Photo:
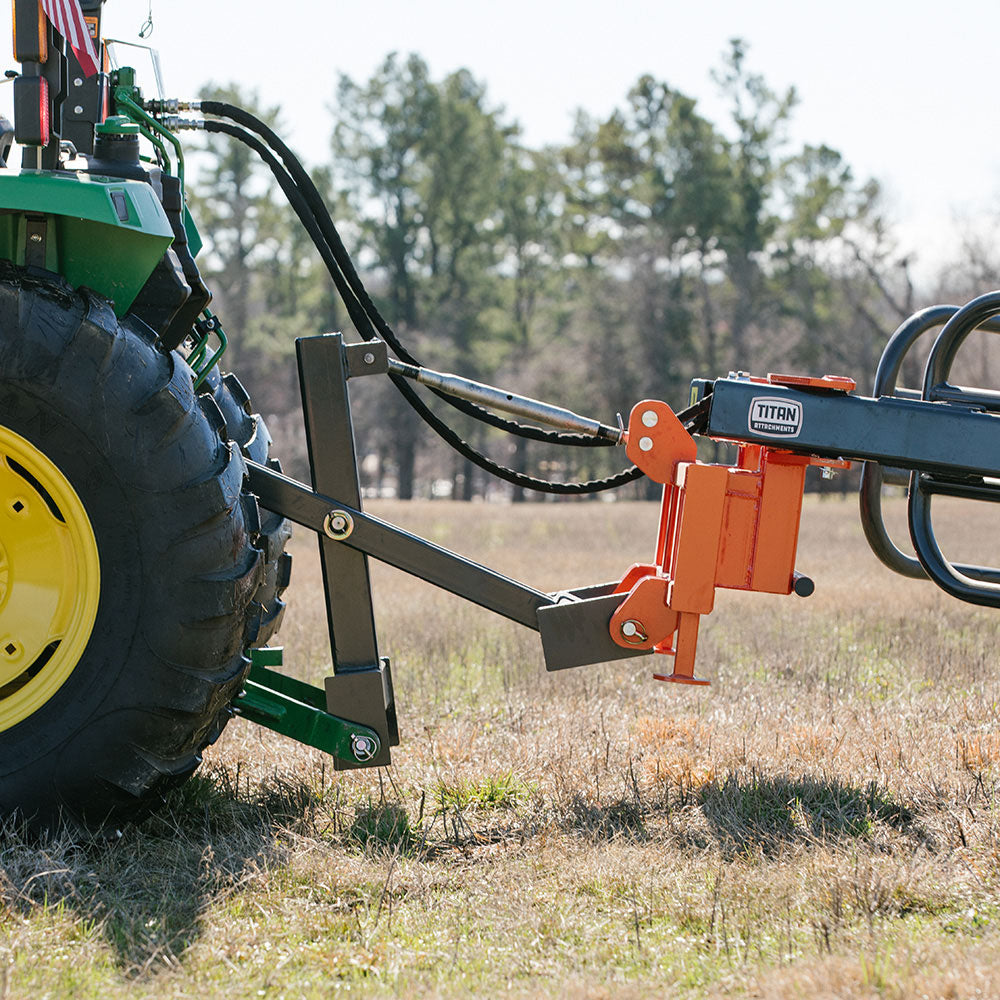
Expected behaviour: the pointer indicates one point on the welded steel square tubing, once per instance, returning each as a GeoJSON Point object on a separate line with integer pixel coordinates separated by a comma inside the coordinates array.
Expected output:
{"type": "Point", "coordinates": [946, 439]}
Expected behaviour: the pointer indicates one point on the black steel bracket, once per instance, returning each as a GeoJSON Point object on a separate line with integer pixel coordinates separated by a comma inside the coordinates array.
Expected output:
{"type": "Point", "coordinates": [573, 624]}
{"type": "Point", "coordinates": [361, 678]}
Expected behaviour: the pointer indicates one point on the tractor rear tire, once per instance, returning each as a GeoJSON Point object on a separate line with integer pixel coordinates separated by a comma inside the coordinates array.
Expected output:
{"type": "Point", "coordinates": [127, 534]}
{"type": "Point", "coordinates": [249, 433]}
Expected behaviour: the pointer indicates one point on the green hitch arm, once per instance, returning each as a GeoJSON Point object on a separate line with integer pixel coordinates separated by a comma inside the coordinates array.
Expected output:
{"type": "Point", "coordinates": [298, 710]}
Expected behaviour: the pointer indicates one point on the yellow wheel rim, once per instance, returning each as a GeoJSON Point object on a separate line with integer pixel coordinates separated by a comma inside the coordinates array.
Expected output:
{"type": "Point", "coordinates": [49, 579]}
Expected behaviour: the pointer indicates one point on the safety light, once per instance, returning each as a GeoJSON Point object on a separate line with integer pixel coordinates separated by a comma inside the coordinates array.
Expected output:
{"type": "Point", "coordinates": [31, 110]}
{"type": "Point", "coordinates": [31, 35]}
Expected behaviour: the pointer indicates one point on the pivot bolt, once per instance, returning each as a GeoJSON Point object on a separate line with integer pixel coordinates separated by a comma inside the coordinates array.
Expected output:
{"type": "Point", "coordinates": [338, 525]}
{"type": "Point", "coordinates": [363, 747]}
{"type": "Point", "coordinates": [650, 418]}
{"type": "Point", "coordinates": [633, 632]}
{"type": "Point", "coordinates": [369, 358]}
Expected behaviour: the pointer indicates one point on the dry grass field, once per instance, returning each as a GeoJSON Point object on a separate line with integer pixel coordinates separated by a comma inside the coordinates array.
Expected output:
{"type": "Point", "coordinates": [820, 822]}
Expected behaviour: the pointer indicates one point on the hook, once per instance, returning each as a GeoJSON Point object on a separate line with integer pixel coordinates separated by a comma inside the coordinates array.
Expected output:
{"type": "Point", "coordinates": [147, 26]}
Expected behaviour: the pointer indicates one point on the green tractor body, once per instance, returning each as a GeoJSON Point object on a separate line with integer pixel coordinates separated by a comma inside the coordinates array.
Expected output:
{"type": "Point", "coordinates": [137, 571]}
{"type": "Point", "coordinates": [102, 233]}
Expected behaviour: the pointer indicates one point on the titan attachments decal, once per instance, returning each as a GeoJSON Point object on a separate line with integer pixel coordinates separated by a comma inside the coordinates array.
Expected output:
{"type": "Point", "coordinates": [772, 416]}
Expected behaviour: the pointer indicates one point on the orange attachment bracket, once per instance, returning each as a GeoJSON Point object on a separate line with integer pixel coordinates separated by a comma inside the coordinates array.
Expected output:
{"type": "Point", "coordinates": [643, 620]}
{"type": "Point", "coordinates": [735, 527]}
{"type": "Point", "coordinates": [685, 645]}
{"type": "Point", "coordinates": [656, 440]}
{"type": "Point", "coordinates": [833, 383]}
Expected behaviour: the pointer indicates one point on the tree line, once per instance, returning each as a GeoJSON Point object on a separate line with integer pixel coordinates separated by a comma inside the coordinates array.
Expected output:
{"type": "Point", "coordinates": [653, 246]}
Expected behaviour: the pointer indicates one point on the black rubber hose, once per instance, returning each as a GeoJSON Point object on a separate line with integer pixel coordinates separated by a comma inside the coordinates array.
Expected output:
{"type": "Point", "coordinates": [299, 205]}
{"type": "Point", "coordinates": [362, 321]}
{"type": "Point", "coordinates": [628, 475]}
{"type": "Point", "coordinates": [694, 420]}
{"type": "Point", "coordinates": [314, 200]}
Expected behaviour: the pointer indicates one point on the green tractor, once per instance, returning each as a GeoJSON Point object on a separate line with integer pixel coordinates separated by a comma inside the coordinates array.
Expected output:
{"type": "Point", "coordinates": [143, 520]}
{"type": "Point", "coordinates": [136, 569]}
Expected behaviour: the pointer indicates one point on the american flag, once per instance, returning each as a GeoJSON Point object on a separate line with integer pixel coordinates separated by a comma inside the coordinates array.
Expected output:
{"type": "Point", "coordinates": [67, 18]}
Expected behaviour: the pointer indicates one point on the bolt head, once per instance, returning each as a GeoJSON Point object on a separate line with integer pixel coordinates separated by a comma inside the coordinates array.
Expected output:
{"type": "Point", "coordinates": [645, 444]}
{"type": "Point", "coordinates": [650, 418]}
{"type": "Point", "coordinates": [338, 525]}
{"type": "Point", "coordinates": [363, 748]}
{"type": "Point", "coordinates": [633, 631]}
{"type": "Point", "coordinates": [369, 358]}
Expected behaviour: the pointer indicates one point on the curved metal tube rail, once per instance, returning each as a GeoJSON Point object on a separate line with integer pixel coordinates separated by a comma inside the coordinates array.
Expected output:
{"type": "Point", "coordinates": [974, 584]}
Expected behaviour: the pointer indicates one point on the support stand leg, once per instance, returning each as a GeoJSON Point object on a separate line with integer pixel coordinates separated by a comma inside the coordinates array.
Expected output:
{"type": "Point", "coordinates": [361, 685]}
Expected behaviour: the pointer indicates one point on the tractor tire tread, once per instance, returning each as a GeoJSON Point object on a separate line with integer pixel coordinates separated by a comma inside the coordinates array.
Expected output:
{"type": "Point", "coordinates": [180, 567]}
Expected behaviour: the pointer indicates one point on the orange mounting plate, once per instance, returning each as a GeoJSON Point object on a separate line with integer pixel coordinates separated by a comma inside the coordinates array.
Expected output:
{"type": "Point", "coordinates": [833, 383]}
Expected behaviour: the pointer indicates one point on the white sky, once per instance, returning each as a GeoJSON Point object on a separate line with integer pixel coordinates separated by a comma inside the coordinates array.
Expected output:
{"type": "Point", "coordinates": [904, 89]}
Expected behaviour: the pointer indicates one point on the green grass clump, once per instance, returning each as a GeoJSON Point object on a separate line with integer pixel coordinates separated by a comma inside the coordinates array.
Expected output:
{"type": "Point", "coordinates": [499, 791]}
{"type": "Point", "coordinates": [385, 826]}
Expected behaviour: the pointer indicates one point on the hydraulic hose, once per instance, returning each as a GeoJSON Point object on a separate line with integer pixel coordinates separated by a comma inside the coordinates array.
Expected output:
{"type": "Point", "coordinates": [301, 208]}
{"type": "Point", "coordinates": [314, 200]}
{"type": "Point", "coordinates": [305, 200]}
